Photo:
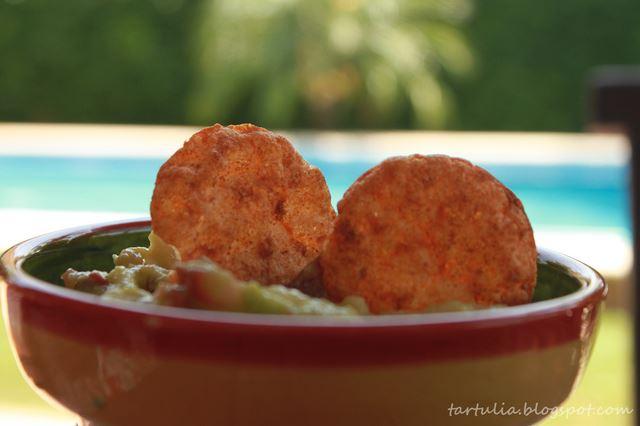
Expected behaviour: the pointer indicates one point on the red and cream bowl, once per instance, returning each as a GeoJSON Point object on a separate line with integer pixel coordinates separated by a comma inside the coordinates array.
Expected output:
{"type": "Point", "coordinates": [121, 363]}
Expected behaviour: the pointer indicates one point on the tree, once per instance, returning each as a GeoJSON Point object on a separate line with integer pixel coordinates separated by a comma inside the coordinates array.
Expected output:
{"type": "Point", "coordinates": [328, 63]}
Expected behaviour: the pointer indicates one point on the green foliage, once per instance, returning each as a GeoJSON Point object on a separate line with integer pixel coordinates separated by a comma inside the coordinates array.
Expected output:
{"type": "Point", "coordinates": [328, 63]}
{"type": "Point", "coordinates": [501, 65]}
{"type": "Point", "coordinates": [94, 60]}
{"type": "Point", "coordinates": [534, 58]}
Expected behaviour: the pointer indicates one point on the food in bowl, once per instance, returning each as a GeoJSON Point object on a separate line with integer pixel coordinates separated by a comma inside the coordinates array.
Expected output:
{"type": "Point", "coordinates": [241, 222]}
{"type": "Point", "coordinates": [120, 363]}
{"type": "Point", "coordinates": [157, 275]}
{"type": "Point", "coordinates": [420, 231]}
{"type": "Point", "coordinates": [245, 198]}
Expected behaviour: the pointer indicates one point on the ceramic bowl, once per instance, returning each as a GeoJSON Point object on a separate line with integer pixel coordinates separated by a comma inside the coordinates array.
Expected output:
{"type": "Point", "coordinates": [123, 363]}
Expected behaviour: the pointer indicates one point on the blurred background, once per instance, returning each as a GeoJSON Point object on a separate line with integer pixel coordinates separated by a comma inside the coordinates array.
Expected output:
{"type": "Point", "coordinates": [504, 81]}
{"type": "Point", "coordinates": [347, 64]}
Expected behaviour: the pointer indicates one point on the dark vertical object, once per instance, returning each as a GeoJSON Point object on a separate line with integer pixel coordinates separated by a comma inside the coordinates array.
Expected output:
{"type": "Point", "coordinates": [615, 101]}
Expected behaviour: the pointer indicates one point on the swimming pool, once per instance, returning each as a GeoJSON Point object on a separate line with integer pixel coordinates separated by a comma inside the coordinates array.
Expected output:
{"type": "Point", "coordinates": [565, 195]}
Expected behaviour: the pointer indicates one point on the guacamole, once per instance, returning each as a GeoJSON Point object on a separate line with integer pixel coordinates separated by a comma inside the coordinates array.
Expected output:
{"type": "Point", "coordinates": [157, 275]}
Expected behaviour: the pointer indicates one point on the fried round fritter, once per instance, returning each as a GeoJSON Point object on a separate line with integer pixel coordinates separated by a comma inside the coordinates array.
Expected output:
{"type": "Point", "coordinates": [243, 197]}
{"type": "Point", "coordinates": [420, 231]}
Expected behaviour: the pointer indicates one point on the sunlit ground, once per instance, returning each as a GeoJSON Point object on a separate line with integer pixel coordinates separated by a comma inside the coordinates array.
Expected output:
{"type": "Point", "coordinates": [607, 382]}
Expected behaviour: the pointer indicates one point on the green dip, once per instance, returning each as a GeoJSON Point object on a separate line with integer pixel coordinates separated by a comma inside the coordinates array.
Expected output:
{"type": "Point", "coordinates": [156, 275]}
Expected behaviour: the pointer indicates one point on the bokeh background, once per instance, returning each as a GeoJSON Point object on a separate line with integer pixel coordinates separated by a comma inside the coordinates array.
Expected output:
{"type": "Point", "coordinates": [454, 65]}
{"type": "Point", "coordinates": [397, 64]}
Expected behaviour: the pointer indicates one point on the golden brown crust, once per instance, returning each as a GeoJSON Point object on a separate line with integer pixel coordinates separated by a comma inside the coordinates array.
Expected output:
{"type": "Point", "coordinates": [243, 197]}
{"type": "Point", "coordinates": [418, 231]}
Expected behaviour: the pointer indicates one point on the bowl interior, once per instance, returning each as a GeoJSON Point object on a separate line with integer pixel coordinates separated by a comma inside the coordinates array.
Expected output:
{"type": "Point", "coordinates": [94, 250]}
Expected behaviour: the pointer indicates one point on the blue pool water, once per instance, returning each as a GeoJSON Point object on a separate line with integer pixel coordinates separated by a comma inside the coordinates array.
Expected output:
{"type": "Point", "coordinates": [553, 195]}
